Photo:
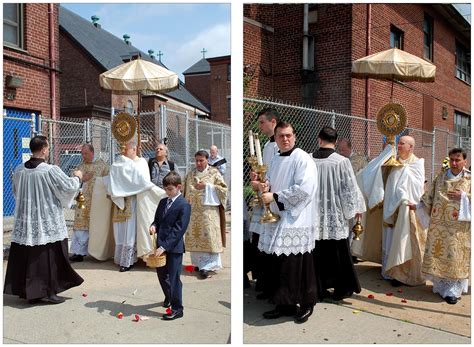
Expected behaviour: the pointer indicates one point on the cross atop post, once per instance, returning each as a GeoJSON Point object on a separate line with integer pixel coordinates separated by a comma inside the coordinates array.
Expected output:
{"type": "Point", "coordinates": [159, 56]}
{"type": "Point", "coordinates": [203, 53]}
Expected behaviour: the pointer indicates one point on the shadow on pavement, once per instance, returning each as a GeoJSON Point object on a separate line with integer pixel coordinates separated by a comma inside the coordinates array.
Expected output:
{"type": "Point", "coordinates": [103, 306]}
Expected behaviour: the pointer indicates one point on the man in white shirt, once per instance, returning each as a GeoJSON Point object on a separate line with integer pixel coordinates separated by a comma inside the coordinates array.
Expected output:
{"type": "Point", "coordinates": [289, 190]}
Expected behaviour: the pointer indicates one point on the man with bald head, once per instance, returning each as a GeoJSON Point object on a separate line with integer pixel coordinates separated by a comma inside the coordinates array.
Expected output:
{"type": "Point", "coordinates": [216, 160]}
{"type": "Point", "coordinates": [390, 191]}
{"type": "Point", "coordinates": [358, 161]}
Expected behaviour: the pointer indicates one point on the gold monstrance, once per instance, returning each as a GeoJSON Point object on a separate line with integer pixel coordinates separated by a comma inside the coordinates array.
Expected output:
{"type": "Point", "coordinates": [124, 128]}
{"type": "Point", "coordinates": [391, 120]}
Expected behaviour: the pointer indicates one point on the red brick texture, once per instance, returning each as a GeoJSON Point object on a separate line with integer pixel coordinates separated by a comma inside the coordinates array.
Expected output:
{"type": "Point", "coordinates": [34, 94]}
{"type": "Point", "coordinates": [273, 60]}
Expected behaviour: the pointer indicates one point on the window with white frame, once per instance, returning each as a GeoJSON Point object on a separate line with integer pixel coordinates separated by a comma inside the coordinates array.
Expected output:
{"type": "Point", "coordinates": [13, 25]}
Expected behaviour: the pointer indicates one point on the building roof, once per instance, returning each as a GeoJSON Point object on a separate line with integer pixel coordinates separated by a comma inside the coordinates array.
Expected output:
{"type": "Point", "coordinates": [107, 50]}
{"type": "Point", "coordinates": [202, 66]}
{"type": "Point", "coordinates": [455, 19]}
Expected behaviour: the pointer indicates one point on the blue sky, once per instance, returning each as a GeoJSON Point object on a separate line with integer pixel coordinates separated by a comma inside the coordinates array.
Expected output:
{"type": "Point", "coordinates": [179, 31]}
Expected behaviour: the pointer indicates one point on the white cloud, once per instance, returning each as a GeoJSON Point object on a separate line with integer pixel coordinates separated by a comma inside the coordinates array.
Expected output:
{"type": "Point", "coordinates": [216, 40]}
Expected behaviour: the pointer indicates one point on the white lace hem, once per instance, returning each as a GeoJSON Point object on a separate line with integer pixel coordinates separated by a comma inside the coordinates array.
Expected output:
{"type": "Point", "coordinates": [447, 287]}
{"type": "Point", "coordinates": [287, 240]}
{"type": "Point", "coordinates": [80, 242]}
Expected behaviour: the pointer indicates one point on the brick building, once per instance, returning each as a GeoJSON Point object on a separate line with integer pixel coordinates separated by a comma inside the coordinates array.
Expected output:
{"type": "Point", "coordinates": [209, 80]}
{"type": "Point", "coordinates": [86, 51]}
{"type": "Point", "coordinates": [30, 56]}
{"type": "Point", "coordinates": [30, 81]}
{"type": "Point", "coordinates": [336, 35]}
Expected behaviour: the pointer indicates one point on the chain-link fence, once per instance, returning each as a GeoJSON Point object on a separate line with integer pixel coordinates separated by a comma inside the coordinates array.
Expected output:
{"type": "Point", "coordinates": [363, 134]}
{"type": "Point", "coordinates": [184, 136]}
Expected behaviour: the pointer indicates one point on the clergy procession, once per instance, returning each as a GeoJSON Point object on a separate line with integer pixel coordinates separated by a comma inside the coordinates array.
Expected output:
{"type": "Point", "coordinates": [134, 209]}
{"type": "Point", "coordinates": [315, 216]}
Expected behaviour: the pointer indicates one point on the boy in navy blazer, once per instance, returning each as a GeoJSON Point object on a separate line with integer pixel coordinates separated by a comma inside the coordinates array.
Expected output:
{"type": "Point", "coordinates": [170, 223]}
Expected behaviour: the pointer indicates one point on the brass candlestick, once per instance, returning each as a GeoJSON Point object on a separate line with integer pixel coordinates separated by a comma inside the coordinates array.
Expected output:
{"type": "Point", "coordinates": [252, 160]}
{"type": "Point", "coordinates": [268, 216]}
{"type": "Point", "coordinates": [357, 229]}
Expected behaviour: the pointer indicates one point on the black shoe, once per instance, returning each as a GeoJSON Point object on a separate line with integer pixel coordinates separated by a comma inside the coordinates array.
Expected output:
{"type": "Point", "coordinates": [451, 300]}
{"type": "Point", "coordinates": [53, 299]}
{"type": "Point", "coordinates": [263, 296]}
{"type": "Point", "coordinates": [273, 314]}
{"type": "Point", "coordinates": [259, 286]}
{"type": "Point", "coordinates": [339, 297]}
{"type": "Point", "coordinates": [205, 274]}
{"type": "Point", "coordinates": [76, 258]}
{"type": "Point", "coordinates": [396, 283]}
{"type": "Point", "coordinates": [173, 315]}
{"type": "Point", "coordinates": [124, 268]}
{"type": "Point", "coordinates": [326, 294]}
{"type": "Point", "coordinates": [34, 301]}
{"type": "Point", "coordinates": [303, 314]}
{"type": "Point", "coordinates": [166, 303]}
{"type": "Point", "coordinates": [246, 282]}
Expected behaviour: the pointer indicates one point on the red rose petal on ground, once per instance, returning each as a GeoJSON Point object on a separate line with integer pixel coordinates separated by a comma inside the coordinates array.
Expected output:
{"type": "Point", "coordinates": [137, 317]}
{"type": "Point", "coordinates": [370, 296]}
{"type": "Point", "coordinates": [84, 294]}
{"type": "Point", "coordinates": [389, 294]}
{"type": "Point", "coordinates": [120, 315]}
{"type": "Point", "coordinates": [189, 268]}
{"type": "Point", "coordinates": [168, 310]}
{"type": "Point", "coordinates": [404, 301]}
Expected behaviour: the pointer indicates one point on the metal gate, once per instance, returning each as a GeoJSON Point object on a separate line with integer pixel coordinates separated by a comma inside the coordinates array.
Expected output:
{"type": "Point", "coordinates": [18, 126]}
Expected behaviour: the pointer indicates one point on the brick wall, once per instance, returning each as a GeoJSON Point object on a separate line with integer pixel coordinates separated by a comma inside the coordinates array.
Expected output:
{"type": "Point", "coordinates": [198, 85]}
{"type": "Point", "coordinates": [220, 90]}
{"type": "Point", "coordinates": [34, 94]}
{"type": "Point", "coordinates": [446, 90]}
{"type": "Point", "coordinates": [80, 77]}
{"type": "Point", "coordinates": [340, 38]}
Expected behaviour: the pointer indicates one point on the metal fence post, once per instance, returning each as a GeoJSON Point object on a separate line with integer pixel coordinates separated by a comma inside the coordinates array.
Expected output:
{"type": "Point", "coordinates": [51, 142]}
{"type": "Point", "coordinates": [40, 124]}
{"type": "Point", "coordinates": [33, 125]}
{"type": "Point", "coordinates": [112, 147]}
{"type": "Point", "coordinates": [84, 132]}
{"type": "Point", "coordinates": [186, 142]}
{"type": "Point", "coordinates": [88, 131]}
{"type": "Point", "coordinates": [333, 119]}
{"type": "Point", "coordinates": [433, 155]}
{"type": "Point", "coordinates": [164, 122]}
{"type": "Point", "coordinates": [197, 135]}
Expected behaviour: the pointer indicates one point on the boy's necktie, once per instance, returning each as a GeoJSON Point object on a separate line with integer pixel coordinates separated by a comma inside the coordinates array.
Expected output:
{"type": "Point", "coordinates": [168, 204]}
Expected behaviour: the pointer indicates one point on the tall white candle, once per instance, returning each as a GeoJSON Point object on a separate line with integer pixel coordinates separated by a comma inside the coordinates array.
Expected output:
{"type": "Point", "coordinates": [259, 151]}
{"type": "Point", "coordinates": [252, 148]}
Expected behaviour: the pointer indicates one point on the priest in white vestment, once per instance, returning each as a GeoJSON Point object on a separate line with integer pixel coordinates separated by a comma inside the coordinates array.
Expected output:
{"type": "Point", "coordinates": [395, 188]}
{"type": "Point", "coordinates": [337, 201]}
{"type": "Point", "coordinates": [135, 200]}
{"type": "Point", "coordinates": [38, 266]}
{"type": "Point", "coordinates": [205, 238]}
{"type": "Point", "coordinates": [267, 120]}
{"type": "Point", "coordinates": [289, 190]}
{"type": "Point", "coordinates": [447, 258]}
